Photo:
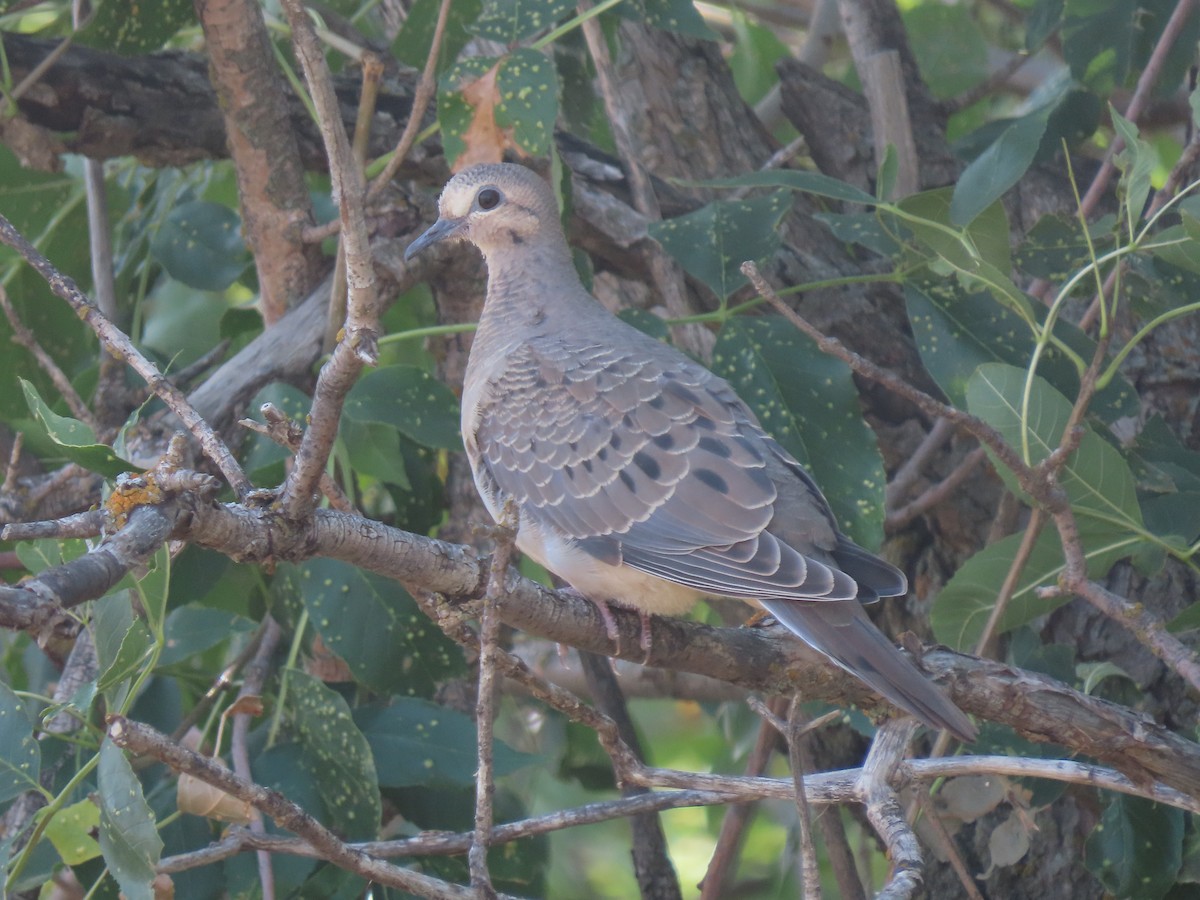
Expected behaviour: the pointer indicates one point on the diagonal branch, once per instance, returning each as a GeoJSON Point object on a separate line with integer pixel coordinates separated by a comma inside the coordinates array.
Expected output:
{"type": "Point", "coordinates": [119, 344]}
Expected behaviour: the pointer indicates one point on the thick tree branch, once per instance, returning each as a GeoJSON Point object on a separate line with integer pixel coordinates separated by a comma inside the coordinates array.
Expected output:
{"type": "Point", "coordinates": [1037, 707]}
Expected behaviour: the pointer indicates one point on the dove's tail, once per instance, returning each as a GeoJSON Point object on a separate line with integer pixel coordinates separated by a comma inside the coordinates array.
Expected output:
{"type": "Point", "coordinates": [842, 631]}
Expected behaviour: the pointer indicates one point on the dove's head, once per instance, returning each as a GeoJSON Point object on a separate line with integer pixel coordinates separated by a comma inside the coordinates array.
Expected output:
{"type": "Point", "coordinates": [497, 207]}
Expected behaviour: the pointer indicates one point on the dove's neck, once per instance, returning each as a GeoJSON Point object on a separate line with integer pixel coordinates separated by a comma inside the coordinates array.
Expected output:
{"type": "Point", "coordinates": [531, 290]}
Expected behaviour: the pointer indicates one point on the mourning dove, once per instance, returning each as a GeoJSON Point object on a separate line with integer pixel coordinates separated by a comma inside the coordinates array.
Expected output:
{"type": "Point", "coordinates": [640, 477]}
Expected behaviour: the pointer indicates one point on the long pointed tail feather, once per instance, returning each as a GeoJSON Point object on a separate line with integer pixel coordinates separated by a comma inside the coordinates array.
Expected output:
{"type": "Point", "coordinates": [843, 632]}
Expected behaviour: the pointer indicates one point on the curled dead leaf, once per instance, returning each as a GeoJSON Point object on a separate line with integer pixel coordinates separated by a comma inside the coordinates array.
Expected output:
{"type": "Point", "coordinates": [201, 799]}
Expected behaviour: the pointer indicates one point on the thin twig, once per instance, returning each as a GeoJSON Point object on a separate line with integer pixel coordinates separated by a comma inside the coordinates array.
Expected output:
{"type": "Point", "coordinates": [883, 808]}
{"type": "Point", "coordinates": [985, 433]}
{"type": "Point", "coordinates": [119, 344]}
{"type": "Point", "coordinates": [286, 433]}
{"type": "Point", "coordinates": [1147, 80]}
{"type": "Point", "coordinates": [112, 374]}
{"type": "Point", "coordinates": [949, 848]}
{"type": "Point", "coordinates": [733, 826]}
{"type": "Point", "coordinates": [426, 86]}
{"type": "Point", "coordinates": [14, 461]}
{"type": "Point", "coordinates": [441, 843]}
{"type": "Point", "coordinates": [666, 275]}
{"type": "Point", "coordinates": [252, 685]}
{"type": "Point", "coordinates": [810, 871]}
{"type": "Point", "coordinates": [358, 346]}
{"type": "Point", "coordinates": [908, 473]}
{"type": "Point", "coordinates": [485, 701]}
{"type": "Point", "coordinates": [1032, 530]}
{"type": "Point", "coordinates": [372, 75]}
{"type": "Point", "coordinates": [926, 501]}
{"type": "Point", "coordinates": [145, 741]}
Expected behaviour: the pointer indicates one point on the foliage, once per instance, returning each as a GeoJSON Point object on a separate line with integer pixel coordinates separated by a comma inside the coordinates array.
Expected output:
{"type": "Point", "coordinates": [365, 743]}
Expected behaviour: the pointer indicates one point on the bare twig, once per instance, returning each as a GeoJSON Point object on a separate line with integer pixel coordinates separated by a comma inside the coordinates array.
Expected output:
{"type": "Point", "coordinates": [441, 843]}
{"type": "Point", "coordinates": [667, 276]}
{"type": "Point", "coordinates": [485, 701]}
{"type": "Point", "coordinates": [1032, 530]}
{"type": "Point", "coordinates": [14, 462]}
{"type": "Point", "coordinates": [358, 346]}
{"type": "Point", "coordinates": [1147, 80]}
{"type": "Point", "coordinates": [946, 841]}
{"type": "Point", "coordinates": [936, 494]}
{"type": "Point", "coordinates": [995, 442]}
{"type": "Point", "coordinates": [222, 682]}
{"type": "Point", "coordinates": [810, 870]}
{"type": "Point", "coordinates": [426, 87]}
{"type": "Point", "coordinates": [81, 525]}
{"type": "Point", "coordinates": [372, 74]}
{"type": "Point", "coordinates": [119, 344]}
{"type": "Point", "coordinates": [883, 808]}
{"type": "Point", "coordinates": [252, 685]}
{"type": "Point", "coordinates": [144, 740]}
{"type": "Point", "coordinates": [286, 433]}
{"type": "Point", "coordinates": [733, 825]}
{"type": "Point", "coordinates": [908, 473]}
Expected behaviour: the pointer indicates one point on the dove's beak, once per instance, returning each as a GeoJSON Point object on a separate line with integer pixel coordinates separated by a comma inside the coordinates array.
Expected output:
{"type": "Point", "coordinates": [439, 231]}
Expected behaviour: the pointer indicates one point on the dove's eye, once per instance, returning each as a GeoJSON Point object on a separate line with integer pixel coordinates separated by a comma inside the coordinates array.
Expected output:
{"type": "Point", "coordinates": [488, 198]}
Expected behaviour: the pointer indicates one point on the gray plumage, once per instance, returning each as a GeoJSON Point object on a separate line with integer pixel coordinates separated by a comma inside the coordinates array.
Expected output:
{"type": "Point", "coordinates": [640, 477]}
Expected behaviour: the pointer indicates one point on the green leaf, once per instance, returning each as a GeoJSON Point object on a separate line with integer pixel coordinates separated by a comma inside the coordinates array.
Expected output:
{"type": "Point", "coordinates": [961, 608]}
{"type": "Point", "coordinates": [957, 330]}
{"type": "Point", "coordinates": [979, 252]}
{"type": "Point", "coordinates": [132, 28]}
{"type": "Point", "coordinates": [805, 398]}
{"type": "Point", "coordinates": [680, 16]}
{"type": "Point", "coordinates": [200, 243]}
{"type": "Point", "coordinates": [1096, 478]}
{"type": "Point", "coordinates": [411, 401]}
{"type": "Point", "coordinates": [121, 644]}
{"type": "Point", "coordinates": [193, 629]}
{"type": "Point", "coordinates": [713, 242]}
{"type": "Point", "coordinates": [949, 47]}
{"type": "Point", "coordinates": [20, 755]}
{"type": "Point", "coordinates": [376, 627]}
{"type": "Point", "coordinates": [999, 167]}
{"type": "Point", "coordinates": [1137, 848]}
{"type": "Point", "coordinates": [421, 743]}
{"type": "Point", "coordinates": [805, 182]}
{"type": "Point", "coordinates": [38, 556]}
{"type": "Point", "coordinates": [128, 837]}
{"type": "Point", "coordinates": [339, 757]}
{"type": "Point", "coordinates": [861, 228]}
{"type": "Point", "coordinates": [70, 831]}
{"type": "Point", "coordinates": [1136, 162]}
{"type": "Point", "coordinates": [509, 22]}
{"type": "Point", "coordinates": [75, 438]}
{"type": "Point", "coordinates": [528, 87]}
{"type": "Point", "coordinates": [1056, 247]}
{"type": "Point", "coordinates": [374, 451]}
{"type": "Point", "coordinates": [154, 587]}
{"type": "Point", "coordinates": [645, 322]}
{"type": "Point", "coordinates": [756, 50]}
{"type": "Point", "coordinates": [1044, 20]}
{"type": "Point", "coordinates": [412, 44]}
{"type": "Point", "coordinates": [50, 209]}
{"type": "Point", "coordinates": [454, 112]}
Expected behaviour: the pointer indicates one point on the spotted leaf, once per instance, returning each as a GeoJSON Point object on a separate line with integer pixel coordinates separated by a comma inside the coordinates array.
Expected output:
{"type": "Point", "coordinates": [807, 401]}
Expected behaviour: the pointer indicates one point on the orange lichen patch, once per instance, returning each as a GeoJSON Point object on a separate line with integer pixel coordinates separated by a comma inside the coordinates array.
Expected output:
{"type": "Point", "coordinates": [130, 493]}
